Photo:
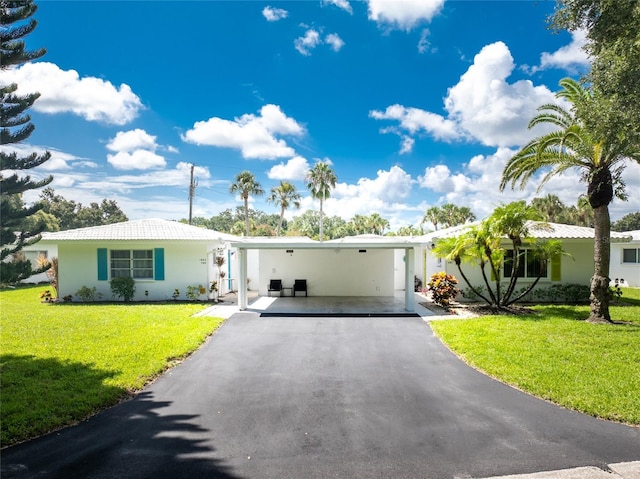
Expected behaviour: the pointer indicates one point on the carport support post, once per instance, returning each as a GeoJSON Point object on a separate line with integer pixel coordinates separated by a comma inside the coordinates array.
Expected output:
{"type": "Point", "coordinates": [409, 273]}
{"type": "Point", "coordinates": [242, 286]}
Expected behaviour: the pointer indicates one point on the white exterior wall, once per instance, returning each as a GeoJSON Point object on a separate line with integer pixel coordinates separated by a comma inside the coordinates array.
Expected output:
{"type": "Point", "coordinates": [185, 264]}
{"type": "Point", "coordinates": [333, 272]}
{"type": "Point", "coordinates": [629, 272]}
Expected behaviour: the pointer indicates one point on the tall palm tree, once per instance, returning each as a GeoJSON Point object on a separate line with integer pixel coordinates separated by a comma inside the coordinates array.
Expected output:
{"type": "Point", "coordinates": [599, 160]}
{"type": "Point", "coordinates": [284, 195]}
{"type": "Point", "coordinates": [320, 180]}
{"type": "Point", "coordinates": [246, 184]}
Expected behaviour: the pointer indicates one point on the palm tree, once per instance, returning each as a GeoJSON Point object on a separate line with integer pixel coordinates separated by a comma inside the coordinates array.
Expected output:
{"type": "Point", "coordinates": [377, 224]}
{"type": "Point", "coordinates": [550, 207]}
{"type": "Point", "coordinates": [246, 185]}
{"type": "Point", "coordinates": [599, 160]}
{"type": "Point", "coordinates": [434, 215]}
{"type": "Point", "coordinates": [284, 195]}
{"type": "Point", "coordinates": [453, 215]}
{"type": "Point", "coordinates": [320, 179]}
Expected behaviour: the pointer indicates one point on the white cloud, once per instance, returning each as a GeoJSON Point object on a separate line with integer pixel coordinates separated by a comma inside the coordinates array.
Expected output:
{"type": "Point", "coordinates": [135, 150]}
{"type": "Point", "coordinates": [308, 42]}
{"type": "Point", "coordinates": [406, 145]}
{"type": "Point", "coordinates": [274, 14]}
{"type": "Point", "coordinates": [136, 160]}
{"type": "Point", "coordinates": [334, 41]}
{"type": "Point", "coordinates": [490, 109]}
{"type": "Point", "coordinates": [482, 106]}
{"type": "Point", "coordinates": [62, 91]}
{"type": "Point", "coordinates": [423, 43]}
{"type": "Point", "coordinates": [254, 136]}
{"type": "Point", "coordinates": [294, 169]}
{"type": "Point", "coordinates": [415, 120]}
{"type": "Point", "coordinates": [343, 4]}
{"type": "Point", "coordinates": [132, 140]}
{"type": "Point", "coordinates": [567, 57]}
{"type": "Point", "coordinates": [403, 14]}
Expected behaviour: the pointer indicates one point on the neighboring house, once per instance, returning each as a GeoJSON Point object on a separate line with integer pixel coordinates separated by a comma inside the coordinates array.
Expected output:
{"type": "Point", "coordinates": [576, 267]}
{"type": "Point", "coordinates": [625, 261]}
{"type": "Point", "coordinates": [33, 253]}
{"type": "Point", "coordinates": [160, 255]}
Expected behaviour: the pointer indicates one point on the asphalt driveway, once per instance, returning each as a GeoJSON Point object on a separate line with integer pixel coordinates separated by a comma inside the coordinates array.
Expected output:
{"type": "Point", "coordinates": [322, 397]}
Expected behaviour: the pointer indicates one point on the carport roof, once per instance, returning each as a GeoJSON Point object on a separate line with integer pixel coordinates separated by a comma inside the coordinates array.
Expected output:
{"type": "Point", "coordinates": [349, 242]}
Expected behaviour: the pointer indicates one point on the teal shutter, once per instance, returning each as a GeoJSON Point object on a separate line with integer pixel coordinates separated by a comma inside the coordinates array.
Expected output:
{"type": "Point", "coordinates": [103, 264]}
{"type": "Point", "coordinates": [158, 264]}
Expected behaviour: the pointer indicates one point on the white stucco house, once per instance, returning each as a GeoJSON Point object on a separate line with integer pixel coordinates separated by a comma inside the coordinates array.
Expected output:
{"type": "Point", "coordinates": [160, 255]}
{"type": "Point", "coordinates": [163, 256]}
{"type": "Point", "coordinates": [625, 261]}
{"type": "Point", "coordinates": [576, 267]}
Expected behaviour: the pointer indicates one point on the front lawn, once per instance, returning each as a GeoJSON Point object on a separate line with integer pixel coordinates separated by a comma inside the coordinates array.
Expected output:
{"type": "Point", "coordinates": [591, 368]}
{"type": "Point", "coordinates": [60, 363]}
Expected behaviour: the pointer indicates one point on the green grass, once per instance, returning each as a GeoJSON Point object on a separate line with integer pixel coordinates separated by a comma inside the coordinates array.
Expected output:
{"type": "Point", "coordinates": [592, 368]}
{"type": "Point", "coordinates": [60, 363]}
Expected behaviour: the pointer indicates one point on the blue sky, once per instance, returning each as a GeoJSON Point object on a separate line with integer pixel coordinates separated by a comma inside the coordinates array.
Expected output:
{"type": "Point", "coordinates": [416, 103]}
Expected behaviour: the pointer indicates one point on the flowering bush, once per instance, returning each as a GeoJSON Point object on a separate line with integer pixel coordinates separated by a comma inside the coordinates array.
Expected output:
{"type": "Point", "coordinates": [442, 288]}
{"type": "Point", "coordinates": [46, 296]}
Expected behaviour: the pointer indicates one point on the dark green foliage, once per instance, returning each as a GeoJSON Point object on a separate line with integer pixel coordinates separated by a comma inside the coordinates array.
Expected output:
{"type": "Point", "coordinates": [124, 288]}
{"type": "Point", "coordinates": [71, 215]}
{"type": "Point", "coordinates": [88, 295]}
{"type": "Point", "coordinates": [613, 43]}
{"type": "Point", "coordinates": [630, 222]}
{"type": "Point", "coordinates": [15, 127]}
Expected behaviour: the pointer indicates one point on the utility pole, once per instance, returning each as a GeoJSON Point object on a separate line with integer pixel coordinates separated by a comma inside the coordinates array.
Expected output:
{"type": "Point", "coordinates": [192, 192]}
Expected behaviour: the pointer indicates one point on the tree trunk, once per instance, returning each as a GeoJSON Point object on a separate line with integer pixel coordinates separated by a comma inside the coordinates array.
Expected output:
{"type": "Point", "coordinates": [600, 293]}
{"type": "Point", "coordinates": [320, 219]}
{"type": "Point", "coordinates": [246, 215]}
{"type": "Point", "coordinates": [280, 222]}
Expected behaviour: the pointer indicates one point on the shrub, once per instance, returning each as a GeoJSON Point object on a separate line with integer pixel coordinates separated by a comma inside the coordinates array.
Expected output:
{"type": "Point", "coordinates": [194, 292]}
{"type": "Point", "coordinates": [88, 295]}
{"type": "Point", "coordinates": [123, 288]}
{"type": "Point", "coordinates": [442, 288]}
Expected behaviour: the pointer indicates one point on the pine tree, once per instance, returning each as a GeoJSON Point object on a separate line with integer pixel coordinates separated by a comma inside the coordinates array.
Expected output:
{"type": "Point", "coordinates": [15, 127]}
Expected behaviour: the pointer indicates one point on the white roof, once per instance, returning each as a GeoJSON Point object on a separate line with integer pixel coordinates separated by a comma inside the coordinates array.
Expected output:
{"type": "Point", "coordinates": [148, 229]}
{"type": "Point", "coordinates": [635, 235]}
{"type": "Point", "coordinates": [537, 229]}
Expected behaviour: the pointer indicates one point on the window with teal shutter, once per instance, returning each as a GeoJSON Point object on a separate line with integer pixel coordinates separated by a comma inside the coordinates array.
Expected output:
{"type": "Point", "coordinates": [103, 264]}
{"type": "Point", "coordinates": [158, 264]}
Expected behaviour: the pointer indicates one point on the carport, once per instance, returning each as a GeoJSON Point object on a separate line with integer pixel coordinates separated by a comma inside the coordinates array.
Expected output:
{"type": "Point", "coordinates": [358, 266]}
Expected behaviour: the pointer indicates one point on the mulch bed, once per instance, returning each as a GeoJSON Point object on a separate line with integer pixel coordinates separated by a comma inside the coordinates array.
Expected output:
{"type": "Point", "coordinates": [475, 310]}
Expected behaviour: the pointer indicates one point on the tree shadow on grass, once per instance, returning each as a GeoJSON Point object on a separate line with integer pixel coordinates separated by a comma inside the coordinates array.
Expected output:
{"type": "Point", "coordinates": [44, 394]}
{"type": "Point", "coordinates": [134, 439]}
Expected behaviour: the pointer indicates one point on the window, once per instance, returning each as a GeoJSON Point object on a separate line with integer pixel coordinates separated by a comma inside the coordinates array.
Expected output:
{"type": "Point", "coordinates": [631, 255]}
{"type": "Point", "coordinates": [528, 267]}
{"type": "Point", "coordinates": [136, 264]}
{"type": "Point", "coordinates": [33, 256]}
